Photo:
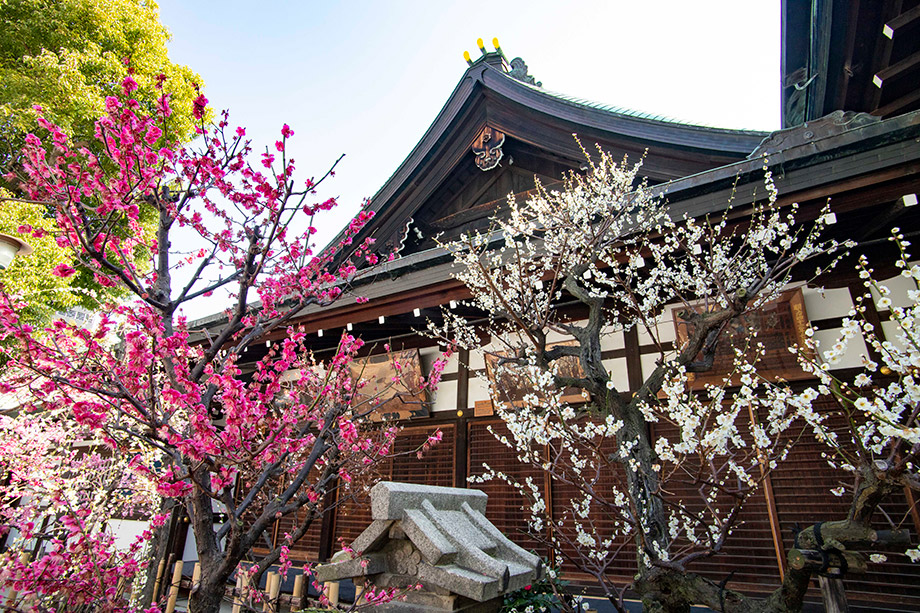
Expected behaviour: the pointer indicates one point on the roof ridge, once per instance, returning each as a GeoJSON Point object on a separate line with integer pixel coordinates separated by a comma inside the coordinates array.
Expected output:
{"type": "Point", "coordinates": [627, 111]}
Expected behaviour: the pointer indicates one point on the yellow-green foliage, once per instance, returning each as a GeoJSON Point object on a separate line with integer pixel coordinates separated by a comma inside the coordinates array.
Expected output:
{"type": "Point", "coordinates": [67, 56]}
{"type": "Point", "coordinates": [30, 276]}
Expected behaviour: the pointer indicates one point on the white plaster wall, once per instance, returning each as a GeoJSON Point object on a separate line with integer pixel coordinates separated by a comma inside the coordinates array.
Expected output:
{"type": "Point", "coordinates": [663, 330]}
{"type": "Point", "coordinates": [190, 551]}
{"type": "Point", "coordinates": [649, 364]}
{"type": "Point", "coordinates": [428, 355]}
{"type": "Point", "coordinates": [892, 332]}
{"type": "Point", "coordinates": [479, 390]}
{"type": "Point", "coordinates": [612, 340]}
{"type": "Point", "coordinates": [557, 337]}
{"type": "Point", "coordinates": [617, 369]}
{"type": "Point", "coordinates": [899, 287]}
{"type": "Point", "coordinates": [477, 362]}
{"type": "Point", "coordinates": [445, 397]}
{"type": "Point", "coordinates": [833, 303]}
{"type": "Point", "coordinates": [855, 350]}
{"type": "Point", "coordinates": [126, 531]}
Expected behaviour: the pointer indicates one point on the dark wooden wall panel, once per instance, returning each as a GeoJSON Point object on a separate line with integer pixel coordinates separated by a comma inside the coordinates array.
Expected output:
{"type": "Point", "coordinates": [802, 485]}
{"type": "Point", "coordinates": [505, 503]}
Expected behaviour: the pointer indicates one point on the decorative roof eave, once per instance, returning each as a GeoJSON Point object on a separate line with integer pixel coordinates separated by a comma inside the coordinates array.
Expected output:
{"type": "Point", "coordinates": [448, 138]}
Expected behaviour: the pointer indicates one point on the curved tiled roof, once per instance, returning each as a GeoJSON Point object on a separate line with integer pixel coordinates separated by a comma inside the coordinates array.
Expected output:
{"type": "Point", "coordinates": [488, 94]}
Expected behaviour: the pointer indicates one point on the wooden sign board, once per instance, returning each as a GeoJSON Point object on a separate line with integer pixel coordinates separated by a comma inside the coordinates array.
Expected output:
{"type": "Point", "coordinates": [779, 324]}
{"type": "Point", "coordinates": [512, 387]}
{"type": "Point", "coordinates": [393, 392]}
{"type": "Point", "coordinates": [483, 408]}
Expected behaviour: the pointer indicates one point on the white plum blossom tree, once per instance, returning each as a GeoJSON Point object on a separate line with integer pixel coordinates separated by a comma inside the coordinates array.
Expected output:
{"type": "Point", "coordinates": [603, 256]}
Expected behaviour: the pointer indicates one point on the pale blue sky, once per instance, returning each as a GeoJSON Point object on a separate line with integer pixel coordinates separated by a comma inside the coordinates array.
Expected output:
{"type": "Point", "coordinates": [368, 78]}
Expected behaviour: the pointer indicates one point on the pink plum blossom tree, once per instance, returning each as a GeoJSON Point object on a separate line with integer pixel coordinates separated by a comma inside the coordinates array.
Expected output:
{"type": "Point", "coordinates": [144, 408]}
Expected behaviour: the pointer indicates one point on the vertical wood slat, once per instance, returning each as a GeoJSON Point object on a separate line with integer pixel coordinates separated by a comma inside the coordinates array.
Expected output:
{"type": "Point", "coordinates": [327, 530]}
{"type": "Point", "coordinates": [505, 508]}
{"type": "Point", "coordinates": [767, 486]}
{"type": "Point", "coordinates": [548, 495]}
{"type": "Point", "coordinates": [892, 585]}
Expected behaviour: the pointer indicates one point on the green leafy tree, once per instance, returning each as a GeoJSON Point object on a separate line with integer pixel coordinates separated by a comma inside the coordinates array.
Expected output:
{"type": "Point", "coordinates": [67, 56]}
{"type": "Point", "coordinates": [45, 293]}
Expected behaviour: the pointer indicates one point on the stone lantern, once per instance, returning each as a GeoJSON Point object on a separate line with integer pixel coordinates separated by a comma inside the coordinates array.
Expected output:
{"type": "Point", "coordinates": [438, 537]}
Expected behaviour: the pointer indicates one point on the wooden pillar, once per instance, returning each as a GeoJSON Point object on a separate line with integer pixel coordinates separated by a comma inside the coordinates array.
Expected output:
{"type": "Point", "coordinates": [461, 429]}
{"type": "Point", "coordinates": [633, 359]}
{"type": "Point", "coordinates": [327, 525]}
{"type": "Point", "coordinates": [833, 595]}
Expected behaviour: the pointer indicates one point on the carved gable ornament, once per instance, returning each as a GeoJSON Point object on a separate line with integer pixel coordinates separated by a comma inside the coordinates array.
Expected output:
{"type": "Point", "coordinates": [488, 148]}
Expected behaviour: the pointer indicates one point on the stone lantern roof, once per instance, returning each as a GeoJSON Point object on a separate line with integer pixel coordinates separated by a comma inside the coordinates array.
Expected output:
{"type": "Point", "coordinates": [439, 537]}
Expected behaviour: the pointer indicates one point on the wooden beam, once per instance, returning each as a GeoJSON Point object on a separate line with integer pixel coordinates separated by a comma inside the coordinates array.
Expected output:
{"type": "Point", "coordinates": [327, 527]}
{"type": "Point", "coordinates": [896, 105]}
{"type": "Point", "coordinates": [890, 29]}
{"type": "Point", "coordinates": [633, 359]}
{"type": "Point", "coordinates": [882, 56]}
{"type": "Point", "coordinates": [896, 69]}
{"type": "Point", "coordinates": [822, 16]}
{"type": "Point", "coordinates": [840, 101]}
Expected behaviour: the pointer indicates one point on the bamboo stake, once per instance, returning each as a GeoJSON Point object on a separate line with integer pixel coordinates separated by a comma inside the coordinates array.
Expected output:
{"type": "Point", "coordinates": [24, 558]}
{"type": "Point", "coordinates": [332, 592]}
{"type": "Point", "coordinates": [273, 590]}
{"type": "Point", "coordinates": [174, 587]}
{"type": "Point", "coordinates": [156, 586]}
{"type": "Point", "coordinates": [196, 573]}
{"type": "Point", "coordinates": [298, 591]}
{"type": "Point", "coordinates": [276, 593]}
{"type": "Point", "coordinates": [359, 590]}
{"type": "Point", "coordinates": [238, 596]}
